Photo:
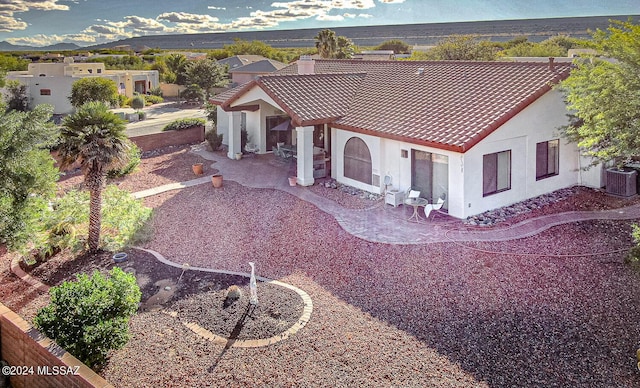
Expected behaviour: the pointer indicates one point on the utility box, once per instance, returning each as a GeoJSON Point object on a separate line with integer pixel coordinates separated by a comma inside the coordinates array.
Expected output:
{"type": "Point", "coordinates": [622, 182]}
{"type": "Point", "coordinates": [394, 197]}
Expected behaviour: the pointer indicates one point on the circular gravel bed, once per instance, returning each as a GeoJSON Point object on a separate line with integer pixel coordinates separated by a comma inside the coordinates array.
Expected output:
{"type": "Point", "coordinates": [278, 309]}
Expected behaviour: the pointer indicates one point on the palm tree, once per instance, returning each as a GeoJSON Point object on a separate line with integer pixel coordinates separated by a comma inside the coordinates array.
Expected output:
{"type": "Point", "coordinates": [326, 43]}
{"type": "Point", "coordinates": [94, 136]}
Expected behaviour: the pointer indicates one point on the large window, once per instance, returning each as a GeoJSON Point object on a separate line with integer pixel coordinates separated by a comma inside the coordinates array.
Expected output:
{"type": "Point", "coordinates": [45, 92]}
{"type": "Point", "coordinates": [357, 160]}
{"type": "Point", "coordinates": [547, 159]}
{"type": "Point", "coordinates": [496, 172]}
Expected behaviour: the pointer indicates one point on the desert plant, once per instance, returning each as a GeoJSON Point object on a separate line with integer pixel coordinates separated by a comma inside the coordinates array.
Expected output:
{"type": "Point", "coordinates": [137, 102]}
{"type": "Point", "coordinates": [157, 91]}
{"type": "Point", "coordinates": [134, 160]}
{"type": "Point", "coordinates": [213, 138]}
{"type": "Point", "coordinates": [95, 136]}
{"type": "Point", "coordinates": [125, 219]}
{"type": "Point", "coordinates": [180, 124]}
{"type": "Point", "coordinates": [90, 317]}
{"type": "Point", "coordinates": [151, 99]}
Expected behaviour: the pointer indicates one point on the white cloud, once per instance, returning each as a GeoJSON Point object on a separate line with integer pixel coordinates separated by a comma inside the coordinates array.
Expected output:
{"type": "Point", "coordinates": [8, 8]}
{"type": "Point", "coordinates": [365, 15]}
{"type": "Point", "coordinates": [391, 1]}
{"type": "Point", "coordinates": [330, 18]}
{"type": "Point", "coordinates": [349, 15]}
{"type": "Point", "coordinates": [212, 7]}
{"type": "Point", "coordinates": [188, 18]}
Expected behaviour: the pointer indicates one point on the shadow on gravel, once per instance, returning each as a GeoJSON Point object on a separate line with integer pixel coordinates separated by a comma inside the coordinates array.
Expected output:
{"type": "Point", "coordinates": [232, 337]}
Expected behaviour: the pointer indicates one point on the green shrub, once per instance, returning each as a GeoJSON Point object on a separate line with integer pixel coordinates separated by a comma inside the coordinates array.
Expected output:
{"type": "Point", "coordinates": [123, 100]}
{"type": "Point", "coordinates": [137, 102]}
{"type": "Point", "coordinates": [65, 224]}
{"type": "Point", "coordinates": [180, 124]}
{"type": "Point", "coordinates": [152, 99]}
{"type": "Point", "coordinates": [124, 219]}
{"type": "Point", "coordinates": [633, 256]}
{"type": "Point", "coordinates": [214, 140]}
{"type": "Point", "coordinates": [90, 317]}
{"type": "Point", "coordinates": [157, 91]}
{"type": "Point", "coordinates": [134, 155]}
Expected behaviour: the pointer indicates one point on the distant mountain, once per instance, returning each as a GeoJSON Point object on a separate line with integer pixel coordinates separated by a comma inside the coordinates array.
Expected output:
{"type": "Point", "coordinates": [421, 34]}
{"type": "Point", "coordinates": [6, 46]}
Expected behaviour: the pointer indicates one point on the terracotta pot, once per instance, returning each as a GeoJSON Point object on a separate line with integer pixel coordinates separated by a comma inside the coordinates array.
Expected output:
{"type": "Point", "coordinates": [198, 168]}
{"type": "Point", "coordinates": [293, 180]}
{"type": "Point", "coordinates": [216, 180]}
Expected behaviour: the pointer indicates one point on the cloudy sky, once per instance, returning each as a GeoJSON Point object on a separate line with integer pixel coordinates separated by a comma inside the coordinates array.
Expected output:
{"type": "Point", "coordinates": [87, 22]}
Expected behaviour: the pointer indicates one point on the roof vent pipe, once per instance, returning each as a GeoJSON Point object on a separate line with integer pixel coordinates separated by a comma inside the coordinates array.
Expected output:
{"type": "Point", "coordinates": [306, 65]}
{"type": "Point", "coordinates": [552, 65]}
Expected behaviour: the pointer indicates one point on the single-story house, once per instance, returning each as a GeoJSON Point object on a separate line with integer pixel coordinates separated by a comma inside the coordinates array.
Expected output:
{"type": "Point", "coordinates": [50, 83]}
{"type": "Point", "coordinates": [481, 134]}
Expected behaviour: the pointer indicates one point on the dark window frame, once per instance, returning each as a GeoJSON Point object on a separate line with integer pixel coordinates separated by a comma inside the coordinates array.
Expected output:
{"type": "Point", "coordinates": [491, 162]}
{"type": "Point", "coordinates": [543, 168]}
{"type": "Point", "coordinates": [45, 92]}
{"type": "Point", "coordinates": [359, 165]}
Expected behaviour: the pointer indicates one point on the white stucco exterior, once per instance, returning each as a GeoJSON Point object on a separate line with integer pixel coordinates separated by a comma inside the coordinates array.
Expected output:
{"type": "Point", "coordinates": [460, 174]}
{"type": "Point", "coordinates": [538, 122]}
{"type": "Point", "coordinates": [50, 83]}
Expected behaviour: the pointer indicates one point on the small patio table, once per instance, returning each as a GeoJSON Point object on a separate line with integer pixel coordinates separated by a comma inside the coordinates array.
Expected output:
{"type": "Point", "coordinates": [416, 203]}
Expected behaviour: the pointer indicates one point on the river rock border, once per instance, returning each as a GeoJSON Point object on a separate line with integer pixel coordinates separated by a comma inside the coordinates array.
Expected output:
{"type": "Point", "coordinates": [228, 342]}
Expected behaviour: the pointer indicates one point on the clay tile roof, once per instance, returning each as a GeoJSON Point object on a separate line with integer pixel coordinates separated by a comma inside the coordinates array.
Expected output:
{"type": "Point", "coordinates": [449, 104]}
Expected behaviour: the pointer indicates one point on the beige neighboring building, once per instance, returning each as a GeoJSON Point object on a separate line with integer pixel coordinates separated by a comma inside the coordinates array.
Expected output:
{"type": "Point", "coordinates": [50, 83]}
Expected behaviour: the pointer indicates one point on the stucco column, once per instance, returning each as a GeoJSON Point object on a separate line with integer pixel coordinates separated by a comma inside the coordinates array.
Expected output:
{"type": "Point", "coordinates": [235, 119]}
{"type": "Point", "coordinates": [304, 137]}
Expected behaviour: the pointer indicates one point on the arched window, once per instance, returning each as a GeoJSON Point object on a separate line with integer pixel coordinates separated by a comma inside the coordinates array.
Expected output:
{"type": "Point", "coordinates": [357, 160]}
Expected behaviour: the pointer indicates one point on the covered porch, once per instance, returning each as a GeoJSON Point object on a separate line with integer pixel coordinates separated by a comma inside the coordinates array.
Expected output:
{"type": "Point", "coordinates": [270, 130]}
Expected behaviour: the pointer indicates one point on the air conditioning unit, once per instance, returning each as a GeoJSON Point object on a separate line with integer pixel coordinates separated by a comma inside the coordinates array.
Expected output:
{"type": "Point", "coordinates": [621, 182]}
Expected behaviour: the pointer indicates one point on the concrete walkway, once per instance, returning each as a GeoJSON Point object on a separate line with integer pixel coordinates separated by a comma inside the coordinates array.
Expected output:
{"type": "Point", "coordinates": [380, 223]}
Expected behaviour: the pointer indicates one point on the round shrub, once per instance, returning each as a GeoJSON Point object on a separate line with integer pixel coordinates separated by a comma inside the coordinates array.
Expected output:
{"type": "Point", "coordinates": [180, 124]}
{"type": "Point", "coordinates": [137, 102]}
{"type": "Point", "coordinates": [90, 317]}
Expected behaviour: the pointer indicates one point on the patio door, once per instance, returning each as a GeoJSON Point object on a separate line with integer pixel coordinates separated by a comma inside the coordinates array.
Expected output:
{"type": "Point", "coordinates": [430, 175]}
{"type": "Point", "coordinates": [422, 173]}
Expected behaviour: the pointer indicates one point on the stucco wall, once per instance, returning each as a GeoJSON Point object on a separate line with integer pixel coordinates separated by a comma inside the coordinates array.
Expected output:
{"type": "Point", "coordinates": [537, 123]}
{"type": "Point", "coordinates": [22, 345]}
{"type": "Point", "coordinates": [167, 138]}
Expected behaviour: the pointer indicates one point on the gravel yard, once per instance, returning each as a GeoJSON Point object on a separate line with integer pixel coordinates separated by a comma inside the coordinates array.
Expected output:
{"type": "Point", "coordinates": [440, 314]}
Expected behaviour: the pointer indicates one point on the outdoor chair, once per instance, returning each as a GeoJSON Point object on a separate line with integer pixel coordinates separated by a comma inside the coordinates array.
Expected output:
{"type": "Point", "coordinates": [413, 194]}
{"type": "Point", "coordinates": [433, 207]}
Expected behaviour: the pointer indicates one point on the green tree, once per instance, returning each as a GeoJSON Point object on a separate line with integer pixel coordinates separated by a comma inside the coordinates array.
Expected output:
{"type": "Point", "coordinates": [94, 89]}
{"type": "Point", "coordinates": [398, 46]}
{"type": "Point", "coordinates": [207, 74]}
{"type": "Point", "coordinates": [95, 137]}
{"type": "Point", "coordinates": [346, 48]}
{"type": "Point", "coordinates": [9, 62]}
{"type": "Point", "coordinates": [17, 98]}
{"type": "Point", "coordinates": [256, 47]}
{"type": "Point", "coordinates": [90, 317]}
{"type": "Point", "coordinates": [459, 48]}
{"type": "Point", "coordinates": [27, 173]}
{"type": "Point", "coordinates": [604, 96]}
{"type": "Point", "coordinates": [326, 43]}
{"type": "Point", "coordinates": [176, 64]}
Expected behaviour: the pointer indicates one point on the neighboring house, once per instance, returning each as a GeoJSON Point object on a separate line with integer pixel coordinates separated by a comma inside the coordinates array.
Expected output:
{"type": "Point", "coordinates": [485, 134]}
{"type": "Point", "coordinates": [375, 55]}
{"type": "Point", "coordinates": [240, 60]}
{"type": "Point", "coordinates": [243, 69]}
{"type": "Point", "coordinates": [50, 83]}
{"type": "Point", "coordinates": [251, 71]}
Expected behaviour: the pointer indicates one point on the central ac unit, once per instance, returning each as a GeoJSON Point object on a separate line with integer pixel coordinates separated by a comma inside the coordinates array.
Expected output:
{"type": "Point", "coordinates": [621, 182]}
